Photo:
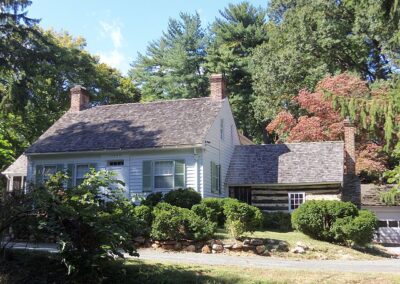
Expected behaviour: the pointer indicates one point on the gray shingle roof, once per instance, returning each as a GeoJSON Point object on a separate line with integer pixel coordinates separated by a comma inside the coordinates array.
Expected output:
{"type": "Point", "coordinates": [20, 166]}
{"type": "Point", "coordinates": [130, 126]}
{"type": "Point", "coordinates": [371, 194]}
{"type": "Point", "coordinates": [316, 162]}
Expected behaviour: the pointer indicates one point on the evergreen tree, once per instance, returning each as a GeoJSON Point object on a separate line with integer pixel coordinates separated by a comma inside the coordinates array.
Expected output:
{"type": "Point", "coordinates": [240, 28]}
{"type": "Point", "coordinates": [173, 66]}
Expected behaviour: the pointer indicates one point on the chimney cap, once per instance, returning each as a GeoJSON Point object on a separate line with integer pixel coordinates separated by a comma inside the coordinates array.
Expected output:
{"type": "Point", "coordinates": [217, 76]}
{"type": "Point", "coordinates": [77, 88]}
{"type": "Point", "coordinates": [348, 122]}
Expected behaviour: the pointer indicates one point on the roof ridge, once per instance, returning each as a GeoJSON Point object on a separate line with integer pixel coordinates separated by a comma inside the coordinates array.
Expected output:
{"type": "Point", "coordinates": [148, 103]}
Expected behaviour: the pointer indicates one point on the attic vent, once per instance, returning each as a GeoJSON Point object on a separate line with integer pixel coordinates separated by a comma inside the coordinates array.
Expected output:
{"type": "Point", "coordinates": [116, 163]}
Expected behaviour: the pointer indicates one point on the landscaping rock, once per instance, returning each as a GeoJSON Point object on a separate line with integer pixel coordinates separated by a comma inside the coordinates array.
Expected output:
{"type": "Point", "coordinates": [228, 246]}
{"type": "Point", "coordinates": [190, 248]}
{"type": "Point", "coordinates": [282, 246]}
{"type": "Point", "coordinates": [299, 250]}
{"type": "Point", "coordinates": [260, 249]}
{"type": "Point", "coordinates": [246, 242]}
{"type": "Point", "coordinates": [168, 242]}
{"type": "Point", "coordinates": [303, 245]}
{"type": "Point", "coordinates": [168, 247]}
{"type": "Point", "coordinates": [178, 246]}
{"type": "Point", "coordinates": [237, 246]}
{"type": "Point", "coordinates": [205, 249]}
{"type": "Point", "coordinates": [216, 248]}
{"type": "Point", "coordinates": [155, 246]}
{"type": "Point", "coordinates": [140, 240]}
{"type": "Point", "coordinates": [256, 242]}
{"type": "Point", "coordinates": [266, 253]}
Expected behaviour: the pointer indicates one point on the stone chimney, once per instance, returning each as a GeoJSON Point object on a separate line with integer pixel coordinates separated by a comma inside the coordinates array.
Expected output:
{"type": "Point", "coordinates": [218, 87]}
{"type": "Point", "coordinates": [349, 147]}
{"type": "Point", "coordinates": [79, 98]}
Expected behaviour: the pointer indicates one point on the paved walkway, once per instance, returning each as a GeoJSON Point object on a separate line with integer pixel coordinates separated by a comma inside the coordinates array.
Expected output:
{"type": "Point", "coordinates": [389, 265]}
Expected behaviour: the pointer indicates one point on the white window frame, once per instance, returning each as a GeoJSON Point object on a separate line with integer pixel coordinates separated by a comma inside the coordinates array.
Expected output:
{"type": "Point", "coordinates": [289, 199]}
{"type": "Point", "coordinates": [153, 175]}
{"type": "Point", "coordinates": [44, 176]}
{"type": "Point", "coordinates": [76, 171]}
{"type": "Point", "coordinates": [165, 175]}
{"type": "Point", "coordinates": [117, 163]}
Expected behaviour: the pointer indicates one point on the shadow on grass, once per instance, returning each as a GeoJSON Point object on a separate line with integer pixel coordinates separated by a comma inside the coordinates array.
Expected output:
{"type": "Point", "coordinates": [40, 267]}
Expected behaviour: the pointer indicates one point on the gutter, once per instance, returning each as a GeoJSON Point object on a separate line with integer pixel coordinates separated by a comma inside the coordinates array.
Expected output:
{"type": "Point", "coordinates": [191, 146]}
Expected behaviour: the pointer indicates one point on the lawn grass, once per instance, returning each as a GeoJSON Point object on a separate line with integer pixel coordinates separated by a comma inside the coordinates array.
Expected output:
{"type": "Point", "coordinates": [318, 249]}
{"type": "Point", "coordinates": [154, 272]}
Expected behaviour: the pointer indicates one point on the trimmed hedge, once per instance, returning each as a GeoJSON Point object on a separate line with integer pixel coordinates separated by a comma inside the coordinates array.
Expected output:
{"type": "Point", "coordinates": [334, 221]}
{"type": "Point", "coordinates": [153, 199]}
{"type": "Point", "coordinates": [205, 212]}
{"type": "Point", "coordinates": [241, 217]}
{"type": "Point", "coordinates": [175, 223]}
{"type": "Point", "coordinates": [144, 217]}
{"type": "Point", "coordinates": [217, 205]}
{"type": "Point", "coordinates": [184, 198]}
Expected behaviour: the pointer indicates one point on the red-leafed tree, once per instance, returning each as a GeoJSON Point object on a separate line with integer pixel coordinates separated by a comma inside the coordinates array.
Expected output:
{"type": "Point", "coordinates": [323, 123]}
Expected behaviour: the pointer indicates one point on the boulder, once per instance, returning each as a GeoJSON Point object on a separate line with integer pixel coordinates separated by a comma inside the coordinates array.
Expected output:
{"type": "Point", "coordinates": [168, 242]}
{"type": "Point", "coordinates": [299, 250]}
{"type": "Point", "coordinates": [260, 249]}
{"type": "Point", "coordinates": [256, 242]}
{"type": "Point", "coordinates": [155, 246]}
{"type": "Point", "coordinates": [237, 246]}
{"type": "Point", "coordinates": [246, 242]}
{"type": "Point", "coordinates": [228, 246]}
{"type": "Point", "coordinates": [303, 245]}
{"type": "Point", "coordinates": [217, 248]}
{"type": "Point", "coordinates": [282, 246]}
{"type": "Point", "coordinates": [168, 247]}
{"type": "Point", "coordinates": [206, 249]}
{"type": "Point", "coordinates": [190, 248]}
{"type": "Point", "coordinates": [178, 246]}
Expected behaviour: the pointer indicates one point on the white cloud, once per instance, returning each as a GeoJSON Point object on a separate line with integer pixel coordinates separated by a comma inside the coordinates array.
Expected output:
{"type": "Point", "coordinates": [113, 30]}
{"type": "Point", "coordinates": [115, 58]}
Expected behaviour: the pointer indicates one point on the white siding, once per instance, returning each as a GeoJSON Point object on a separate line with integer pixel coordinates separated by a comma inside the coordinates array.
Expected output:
{"type": "Point", "coordinates": [219, 151]}
{"type": "Point", "coordinates": [132, 160]}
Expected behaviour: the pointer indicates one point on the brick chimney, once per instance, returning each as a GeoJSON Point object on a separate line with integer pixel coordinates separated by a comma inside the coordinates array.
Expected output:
{"type": "Point", "coordinates": [218, 87]}
{"type": "Point", "coordinates": [349, 147]}
{"type": "Point", "coordinates": [79, 98]}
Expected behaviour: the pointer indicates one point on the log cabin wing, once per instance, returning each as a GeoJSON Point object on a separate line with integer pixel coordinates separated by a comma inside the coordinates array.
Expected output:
{"type": "Point", "coordinates": [280, 177]}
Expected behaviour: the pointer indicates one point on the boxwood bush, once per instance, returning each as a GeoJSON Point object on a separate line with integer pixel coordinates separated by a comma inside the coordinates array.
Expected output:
{"type": "Point", "coordinates": [152, 199]}
{"type": "Point", "coordinates": [205, 212]}
{"type": "Point", "coordinates": [184, 198]}
{"type": "Point", "coordinates": [175, 223]}
{"type": "Point", "coordinates": [334, 221]}
{"type": "Point", "coordinates": [241, 217]}
{"type": "Point", "coordinates": [217, 204]}
{"type": "Point", "coordinates": [144, 217]}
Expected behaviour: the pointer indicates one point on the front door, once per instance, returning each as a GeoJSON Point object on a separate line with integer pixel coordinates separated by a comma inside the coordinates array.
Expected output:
{"type": "Point", "coordinates": [121, 173]}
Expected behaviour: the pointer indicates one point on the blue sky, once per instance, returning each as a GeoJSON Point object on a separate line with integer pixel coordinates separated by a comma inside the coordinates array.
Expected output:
{"type": "Point", "coordinates": [117, 30]}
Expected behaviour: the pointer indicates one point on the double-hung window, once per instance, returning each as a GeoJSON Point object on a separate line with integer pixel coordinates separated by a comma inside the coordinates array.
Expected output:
{"type": "Point", "coordinates": [162, 175]}
{"type": "Point", "coordinates": [81, 171]}
{"type": "Point", "coordinates": [44, 172]}
{"type": "Point", "coordinates": [215, 178]}
{"type": "Point", "coordinates": [295, 200]}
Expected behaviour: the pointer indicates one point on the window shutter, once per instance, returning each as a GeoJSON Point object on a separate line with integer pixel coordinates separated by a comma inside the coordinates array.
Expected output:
{"type": "Point", "coordinates": [39, 175]}
{"type": "Point", "coordinates": [71, 175]}
{"type": "Point", "coordinates": [213, 181]}
{"type": "Point", "coordinates": [179, 178]}
{"type": "Point", "coordinates": [147, 176]}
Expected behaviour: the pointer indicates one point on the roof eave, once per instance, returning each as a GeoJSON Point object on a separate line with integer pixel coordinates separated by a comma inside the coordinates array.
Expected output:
{"type": "Point", "coordinates": [169, 147]}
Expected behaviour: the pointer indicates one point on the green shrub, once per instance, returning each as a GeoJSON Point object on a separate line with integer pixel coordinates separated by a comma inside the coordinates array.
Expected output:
{"type": "Point", "coordinates": [153, 199]}
{"type": "Point", "coordinates": [241, 217]}
{"type": "Point", "coordinates": [144, 217]}
{"type": "Point", "coordinates": [316, 218]}
{"type": "Point", "coordinates": [217, 204]}
{"type": "Point", "coordinates": [175, 223]}
{"type": "Point", "coordinates": [184, 198]}
{"type": "Point", "coordinates": [205, 212]}
{"type": "Point", "coordinates": [361, 229]}
{"type": "Point", "coordinates": [280, 221]}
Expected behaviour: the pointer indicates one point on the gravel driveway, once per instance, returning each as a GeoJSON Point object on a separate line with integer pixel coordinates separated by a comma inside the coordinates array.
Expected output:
{"type": "Point", "coordinates": [387, 265]}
